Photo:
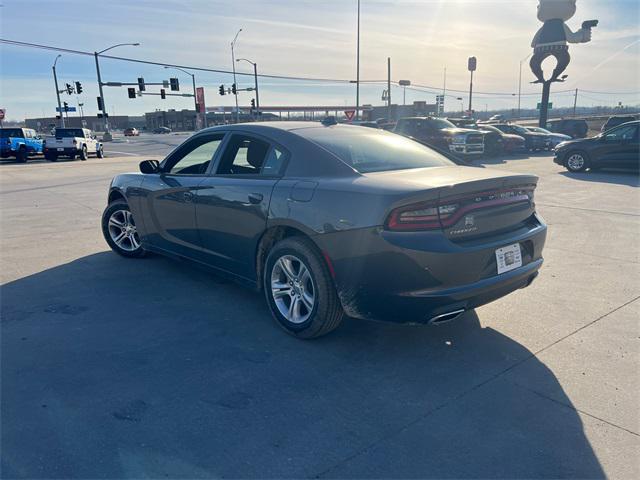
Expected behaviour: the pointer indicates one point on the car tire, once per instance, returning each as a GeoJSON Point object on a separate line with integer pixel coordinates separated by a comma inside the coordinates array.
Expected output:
{"type": "Point", "coordinates": [576, 161]}
{"type": "Point", "coordinates": [21, 155]}
{"type": "Point", "coordinates": [100, 152]}
{"type": "Point", "coordinates": [83, 153]}
{"type": "Point", "coordinates": [117, 221]}
{"type": "Point", "coordinates": [299, 289]}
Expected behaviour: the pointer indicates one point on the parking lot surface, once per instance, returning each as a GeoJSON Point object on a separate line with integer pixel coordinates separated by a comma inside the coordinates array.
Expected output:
{"type": "Point", "coordinates": [114, 367]}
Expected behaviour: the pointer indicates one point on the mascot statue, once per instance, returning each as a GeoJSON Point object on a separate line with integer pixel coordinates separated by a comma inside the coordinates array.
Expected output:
{"type": "Point", "coordinates": [552, 38]}
{"type": "Point", "coordinates": [551, 41]}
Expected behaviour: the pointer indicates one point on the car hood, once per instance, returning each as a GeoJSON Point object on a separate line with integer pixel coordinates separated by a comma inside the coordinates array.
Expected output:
{"type": "Point", "coordinates": [511, 136]}
{"type": "Point", "coordinates": [577, 141]}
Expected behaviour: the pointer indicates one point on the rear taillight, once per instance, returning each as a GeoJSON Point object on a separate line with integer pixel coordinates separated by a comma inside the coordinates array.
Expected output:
{"type": "Point", "coordinates": [434, 215]}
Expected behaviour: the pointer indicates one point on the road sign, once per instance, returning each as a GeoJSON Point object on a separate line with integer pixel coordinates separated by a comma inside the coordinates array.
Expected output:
{"type": "Point", "coordinates": [540, 105]}
{"type": "Point", "coordinates": [349, 114]}
{"type": "Point", "coordinates": [69, 109]}
{"type": "Point", "coordinates": [404, 83]}
{"type": "Point", "coordinates": [1, 113]}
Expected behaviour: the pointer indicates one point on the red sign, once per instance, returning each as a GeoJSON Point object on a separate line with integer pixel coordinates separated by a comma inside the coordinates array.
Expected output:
{"type": "Point", "coordinates": [349, 114]}
{"type": "Point", "coordinates": [1, 113]}
{"type": "Point", "coordinates": [200, 99]}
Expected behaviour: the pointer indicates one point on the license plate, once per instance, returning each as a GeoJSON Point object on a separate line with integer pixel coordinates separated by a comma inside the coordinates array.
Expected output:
{"type": "Point", "coordinates": [508, 258]}
{"type": "Point", "coordinates": [61, 149]}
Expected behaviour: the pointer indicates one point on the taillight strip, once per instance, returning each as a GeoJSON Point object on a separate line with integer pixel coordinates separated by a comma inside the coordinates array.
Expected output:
{"type": "Point", "coordinates": [448, 221]}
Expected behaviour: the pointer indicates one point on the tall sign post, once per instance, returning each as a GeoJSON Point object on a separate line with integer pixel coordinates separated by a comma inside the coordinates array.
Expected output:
{"type": "Point", "coordinates": [471, 66]}
{"type": "Point", "coordinates": [200, 107]}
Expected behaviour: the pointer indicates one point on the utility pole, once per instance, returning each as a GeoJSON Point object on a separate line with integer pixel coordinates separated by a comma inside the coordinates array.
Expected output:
{"type": "Point", "coordinates": [55, 79]}
{"type": "Point", "coordinates": [575, 103]}
{"type": "Point", "coordinates": [520, 82]}
{"type": "Point", "coordinates": [444, 88]}
{"type": "Point", "coordinates": [389, 88]}
{"type": "Point", "coordinates": [233, 64]}
{"type": "Point", "coordinates": [358, 67]}
{"type": "Point", "coordinates": [255, 81]}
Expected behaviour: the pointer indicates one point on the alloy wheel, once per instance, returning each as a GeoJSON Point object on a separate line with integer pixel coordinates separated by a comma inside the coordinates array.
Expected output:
{"type": "Point", "coordinates": [575, 162]}
{"type": "Point", "coordinates": [292, 289]}
{"type": "Point", "coordinates": [122, 230]}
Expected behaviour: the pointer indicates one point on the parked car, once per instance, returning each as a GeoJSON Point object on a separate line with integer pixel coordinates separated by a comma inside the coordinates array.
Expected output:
{"type": "Point", "coordinates": [497, 118]}
{"type": "Point", "coordinates": [464, 122]}
{"type": "Point", "coordinates": [575, 128]}
{"type": "Point", "coordinates": [333, 220]}
{"type": "Point", "coordinates": [442, 134]}
{"type": "Point", "coordinates": [162, 130]}
{"type": "Point", "coordinates": [131, 132]}
{"type": "Point", "coordinates": [555, 138]}
{"type": "Point", "coordinates": [496, 142]}
{"type": "Point", "coordinates": [533, 141]}
{"type": "Point", "coordinates": [617, 120]}
{"type": "Point", "coordinates": [615, 148]}
{"type": "Point", "coordinates": [19, 143]}
{"type": "Point", "coordinates": [72, 142]}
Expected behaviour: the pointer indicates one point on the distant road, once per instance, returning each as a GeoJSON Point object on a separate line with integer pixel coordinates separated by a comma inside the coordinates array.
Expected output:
{"type": "Point", "coordinates": [154, 145]}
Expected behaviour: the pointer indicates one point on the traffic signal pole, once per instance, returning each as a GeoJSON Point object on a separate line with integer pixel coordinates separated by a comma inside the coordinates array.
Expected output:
{"type": "Point", "coordinates": [255, 78]}
{"type": "Point", "coordinates": [55, 79]}
{"type": "Point", "coordinates": [107, 135]}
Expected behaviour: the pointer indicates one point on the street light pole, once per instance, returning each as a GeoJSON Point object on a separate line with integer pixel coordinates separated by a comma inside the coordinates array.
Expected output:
{"type": "Point", "coordinates": [233, 64]}
{"type": "Point", "coordinates": [520, 82]}
{"type": "Point", "coordinates": [107, 137]}
{"type": "Point", "coordinates": [255, 80]}
{"type": "Point", "coordinates": [193, 81]}
{"type": "Point", "coordinates": [55, 80]}
{"type": "Point", "coordinates": [358, 68]}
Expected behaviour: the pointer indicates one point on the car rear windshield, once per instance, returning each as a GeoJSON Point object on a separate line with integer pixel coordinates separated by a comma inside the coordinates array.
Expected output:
{"type": "Point", "coordinates": [11, 132]}
{"type": "Point", "coordinates": [368, 150]}
{"type": "Point", "coordinates": [69, 132]}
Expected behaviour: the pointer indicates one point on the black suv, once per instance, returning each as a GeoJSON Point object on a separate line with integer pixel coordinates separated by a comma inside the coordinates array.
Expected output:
{"type": "Point", "coordinates": [617, 120]}
{"type": "Point", "coordinates": [615, 148]}
{"type": "Point", "coordinates": [532, 140]}
{"type": "Point", "coordinates": [575, 128]}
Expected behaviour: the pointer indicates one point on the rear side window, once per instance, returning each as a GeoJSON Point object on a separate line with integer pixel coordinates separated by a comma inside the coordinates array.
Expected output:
{"type": "Point", "coordinates": [367, 150]}
{"type": "Point", "coordinates": [244, 155]}
{"type": "Point", "coordinates": [69, 132]}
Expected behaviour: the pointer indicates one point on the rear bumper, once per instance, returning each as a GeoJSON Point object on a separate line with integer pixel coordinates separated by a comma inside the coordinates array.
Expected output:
{"type": "Point", "coordinates": [61, 151]}
{"type": "Point", "coordinates": [413, 277]}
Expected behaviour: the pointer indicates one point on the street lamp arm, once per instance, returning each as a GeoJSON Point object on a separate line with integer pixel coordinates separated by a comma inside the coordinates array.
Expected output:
{"type": "Point", "coordinates": [56, 61]}
{"type": "Point", "coordinates": [246, 60]}
{"type": "Point", "coordinates": [118, 45]}
{"type": "Point", "coordinates": [182, 70]}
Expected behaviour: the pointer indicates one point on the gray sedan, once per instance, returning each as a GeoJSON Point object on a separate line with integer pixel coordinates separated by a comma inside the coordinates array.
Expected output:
{"type": "Point", "coordinates": [329, 220]}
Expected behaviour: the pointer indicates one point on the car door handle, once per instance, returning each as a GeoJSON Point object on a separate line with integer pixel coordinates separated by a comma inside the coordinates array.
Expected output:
{"type": "Point", "coordinates": [188, 197]}
{"type": "Point", "coordinates": [255, 198]}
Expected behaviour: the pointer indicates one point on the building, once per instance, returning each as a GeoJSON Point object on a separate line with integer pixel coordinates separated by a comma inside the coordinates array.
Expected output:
{"type": "Point", "coordinates": [120, 122]}
{"type": "Point", "coordinates": [176, 120]}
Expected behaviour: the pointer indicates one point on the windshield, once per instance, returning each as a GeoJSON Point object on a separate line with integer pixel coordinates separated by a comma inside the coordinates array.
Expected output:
{"type": "Point", "coordinates": [519, 129]}
{"type": "Point", "coordinates": [441, 123]}
{"type": "Point", "coordinates": [11, 132]}
{"type": "Point", "coordinates": [69, 132]}
{"type": "Point", "coordinates": [369, 151]}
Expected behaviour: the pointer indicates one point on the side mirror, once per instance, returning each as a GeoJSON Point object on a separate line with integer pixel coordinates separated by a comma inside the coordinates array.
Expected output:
{"type": "Point", "coordinates": [150, 166]}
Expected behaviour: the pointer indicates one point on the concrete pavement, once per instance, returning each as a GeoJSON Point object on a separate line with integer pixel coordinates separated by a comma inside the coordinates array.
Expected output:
{"type": "Point", "coordinates": [154, 368]}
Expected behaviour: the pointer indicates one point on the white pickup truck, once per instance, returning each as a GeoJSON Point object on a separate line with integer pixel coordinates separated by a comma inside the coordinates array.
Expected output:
{"type": "Point", "coordinates": [72, 142]}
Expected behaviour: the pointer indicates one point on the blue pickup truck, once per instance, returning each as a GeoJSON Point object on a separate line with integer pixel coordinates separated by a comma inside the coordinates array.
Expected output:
{"type": "Point", "coordinates": [19, 143]}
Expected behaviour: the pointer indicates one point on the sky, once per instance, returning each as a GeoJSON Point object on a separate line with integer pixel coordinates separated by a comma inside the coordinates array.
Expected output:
{"type": "Point", "coordinates": [315, 39]}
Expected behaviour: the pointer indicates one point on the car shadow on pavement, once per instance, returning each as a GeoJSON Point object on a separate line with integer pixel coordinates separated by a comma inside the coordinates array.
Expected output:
{"type": "Point", "coordinates": [631, 179]}
{"type": "Point", "coordinates": [152, 368]}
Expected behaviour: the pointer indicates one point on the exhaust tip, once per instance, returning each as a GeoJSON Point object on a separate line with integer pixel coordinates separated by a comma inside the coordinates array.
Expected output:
{"type": "Point", "coordinates": [446, 317]}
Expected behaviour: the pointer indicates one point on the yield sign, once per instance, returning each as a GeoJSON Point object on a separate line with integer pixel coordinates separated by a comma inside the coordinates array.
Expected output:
{"type": "Point", "coordinates": [349, 114]}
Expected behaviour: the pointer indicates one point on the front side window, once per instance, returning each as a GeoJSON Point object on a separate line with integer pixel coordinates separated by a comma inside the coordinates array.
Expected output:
{"type": "Point", "coordinates": [198, 157]}
{"type": "Point", "coordinates": [244, 155]}
{"type": "Point", "coordinates": [627, 132]}
{"type": "Point", "coordinates": [11, 132]}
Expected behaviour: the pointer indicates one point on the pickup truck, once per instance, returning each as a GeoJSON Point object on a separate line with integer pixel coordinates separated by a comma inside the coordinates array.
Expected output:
{"type": "Point", "coordinates": [70, 142]}
{"type": "Point", "coordinates": [19, 143]}
{"type": "Point", "coordinates": [441, 133]}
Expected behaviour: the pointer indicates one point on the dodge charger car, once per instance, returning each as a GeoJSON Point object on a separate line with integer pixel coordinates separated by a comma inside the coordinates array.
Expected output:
{"type": "Point", "coordinates": [331, 220]}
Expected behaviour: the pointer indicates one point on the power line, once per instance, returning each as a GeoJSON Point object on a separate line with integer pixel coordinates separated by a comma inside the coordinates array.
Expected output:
{"type": "Point", "coordinates": [415, 87]}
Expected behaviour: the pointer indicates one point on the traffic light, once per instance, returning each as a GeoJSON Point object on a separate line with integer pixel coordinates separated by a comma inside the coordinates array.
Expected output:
{"type": "Point", "coordinates": [132, 92]}
{"type": "Point", "coordinates": [221, 90]}
{"type": "Point", "coordinates": [233, 89]}
{"type": "Point", "coordinates": [100, 106]}
{"type": "Point", "coordinates": [163, 95]}
{"type": "Point", "coordinates": [78, 88]}
{"type": "Point", "coordinates": [65, 106]}
{"type": "Point", "coordinates": [141, 86]}
{"type": "Point", "coordinates": [253, 103]}
{"type": "Point", "coordinates": [175, 86]}
{"type": "Point", "coordinates": [472, 64]}
{"type": "Point", "coordinates": [69, 88]}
